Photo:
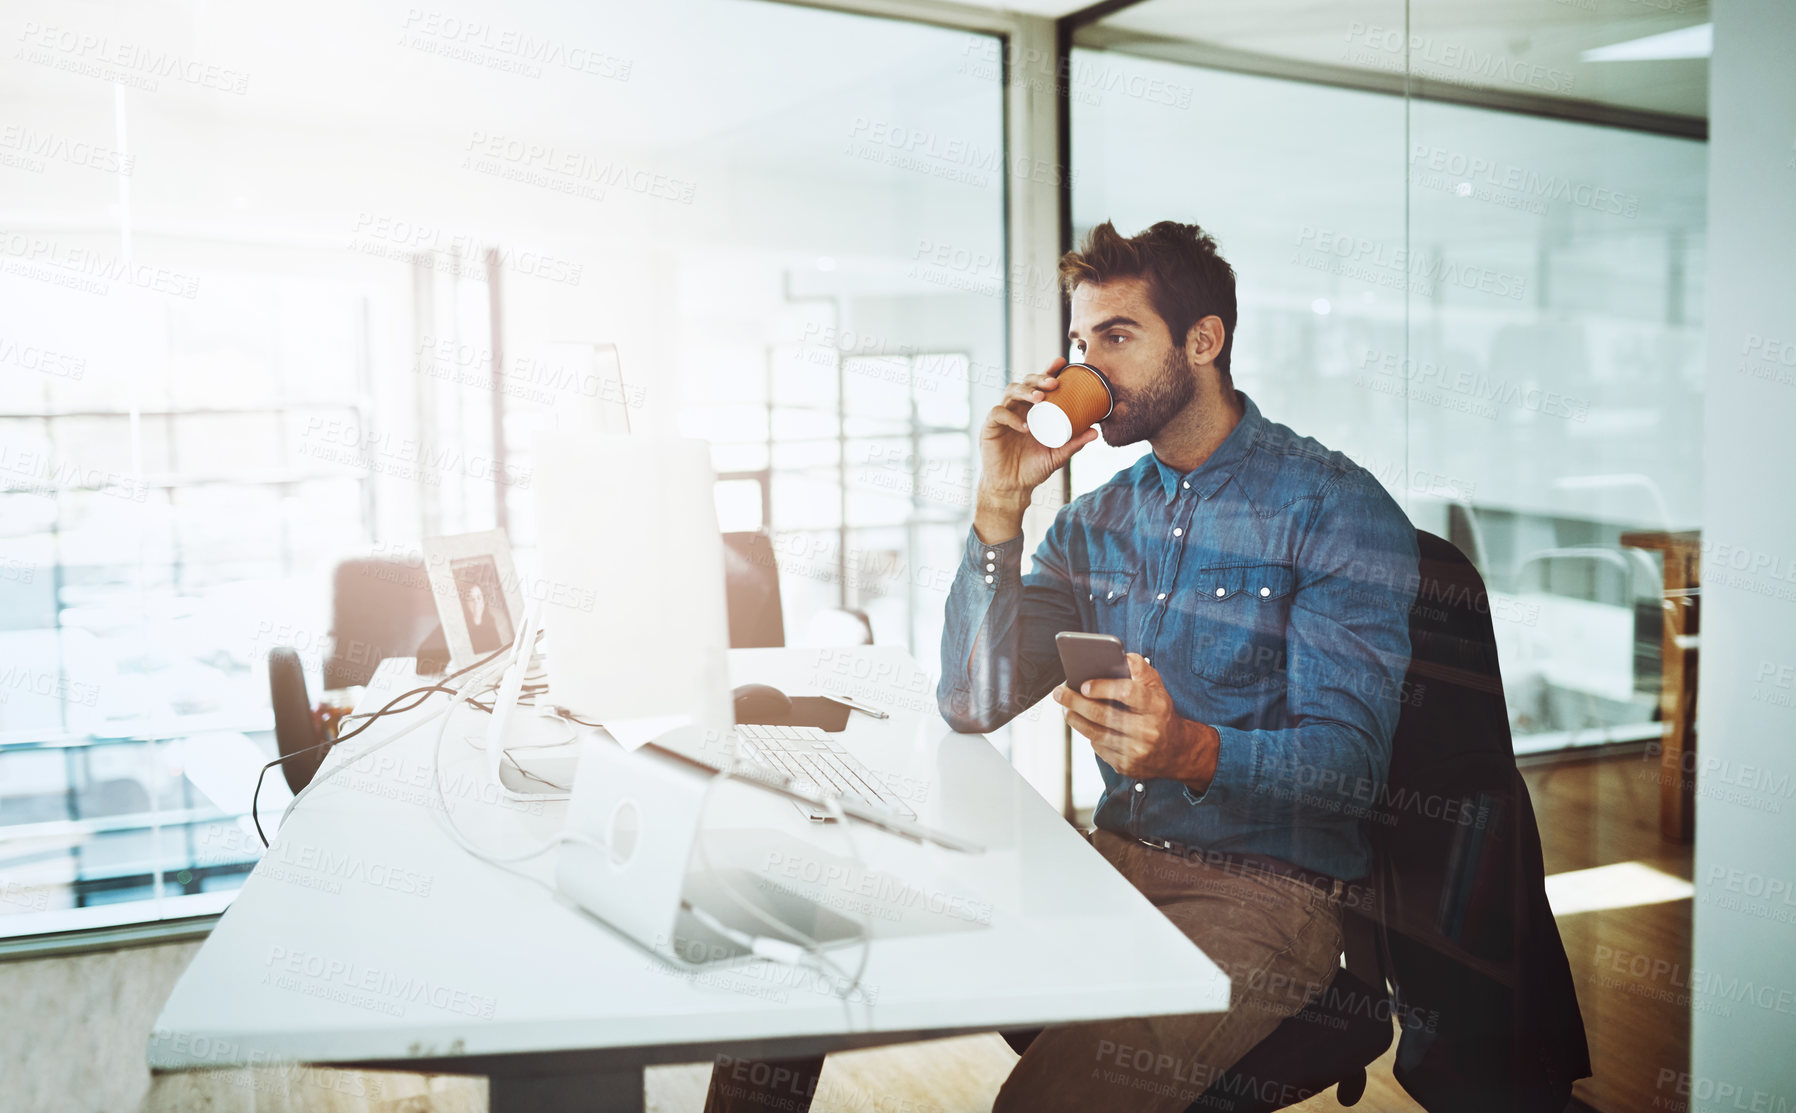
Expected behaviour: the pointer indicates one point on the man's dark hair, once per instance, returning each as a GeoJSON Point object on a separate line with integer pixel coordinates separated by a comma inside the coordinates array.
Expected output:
{"type": "Point", "coordinates": [1186, 279]}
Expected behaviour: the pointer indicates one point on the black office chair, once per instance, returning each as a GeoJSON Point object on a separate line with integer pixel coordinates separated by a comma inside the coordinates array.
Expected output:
{"type": "Point", "coordinates": [1452, 741]}
{"type": "Point", "coordinates": [1493, 994]}
{"type": "Point", "coordinates": [295, 726]}
{"type": "Point", "coordinates": [752, 586]}
{"type": "Point", "coordinates": [379, 609]}
{"type": "Point", "coordinates": [384, 608]}
{"type": "Point", "coordinates": [1466, 932]}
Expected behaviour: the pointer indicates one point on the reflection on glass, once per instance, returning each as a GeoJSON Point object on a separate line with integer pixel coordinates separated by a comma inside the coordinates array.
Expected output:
{"type": "Point", "coordinates": [331, 369]}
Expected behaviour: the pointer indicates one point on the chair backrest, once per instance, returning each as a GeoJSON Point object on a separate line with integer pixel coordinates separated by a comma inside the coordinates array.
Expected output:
{"type": "Point", "coordinates": [379, 609]}
{"type": "Point", "coordinates": [1449, 789]}
{"type": "Point", "coordinates": [1457, 869]}
{"type": "Point", "coordinates": [752, 587]}
{"type": "Point", "coordinates": [295, 731]}
{"type": "Point", "coordinates": [1449, 920]}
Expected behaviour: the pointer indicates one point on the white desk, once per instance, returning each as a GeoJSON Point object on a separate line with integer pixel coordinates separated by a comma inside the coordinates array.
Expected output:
{"type": "Point", "coordinates": [367, 937]}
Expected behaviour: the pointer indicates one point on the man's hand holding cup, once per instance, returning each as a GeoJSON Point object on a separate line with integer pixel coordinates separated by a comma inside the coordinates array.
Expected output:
{"type": "Point", "coordinates": [1013, 462]}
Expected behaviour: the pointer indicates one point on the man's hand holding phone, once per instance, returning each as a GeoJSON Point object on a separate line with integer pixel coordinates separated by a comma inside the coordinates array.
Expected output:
{"type": "Point", "coordinates": [1133, 726]}
{"type": "Point", "coordinates": [1012, 463]}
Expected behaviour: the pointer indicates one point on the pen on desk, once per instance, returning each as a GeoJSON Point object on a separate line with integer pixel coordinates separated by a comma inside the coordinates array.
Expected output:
{"type": "Point", "coordinates": [857, 705]}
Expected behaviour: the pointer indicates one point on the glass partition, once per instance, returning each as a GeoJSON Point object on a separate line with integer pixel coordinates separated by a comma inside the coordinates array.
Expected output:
{"type": "Point", "coordinates": [1469, 254]}
{"type": "Point", "coordinates": [305, 299]}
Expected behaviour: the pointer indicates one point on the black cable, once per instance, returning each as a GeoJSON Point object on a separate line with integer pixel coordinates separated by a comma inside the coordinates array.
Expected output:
{"type": "Point", "coordinates": [526, 696]}
{"type": "Point", "coordinates": [255, 797]}
{"type": "Point", "coordinates": [389, 709]}
{"type": "Point", "coordinates": [422, 693]}
{"type": "Point", "coordinates": [532, 776]}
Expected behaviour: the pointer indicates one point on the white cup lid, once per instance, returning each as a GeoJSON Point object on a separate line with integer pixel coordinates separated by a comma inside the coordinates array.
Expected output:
{"type": "Point", "coordinates": [1049, 424]}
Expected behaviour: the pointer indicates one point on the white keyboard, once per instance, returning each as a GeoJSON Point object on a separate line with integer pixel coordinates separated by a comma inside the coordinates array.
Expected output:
{"type": "Point", "coordinates": [816, 763]}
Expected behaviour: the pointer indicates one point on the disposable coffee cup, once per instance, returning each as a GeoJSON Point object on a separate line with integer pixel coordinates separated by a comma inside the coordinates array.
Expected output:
{"type": "Point", "coordinates": [1081, 399]}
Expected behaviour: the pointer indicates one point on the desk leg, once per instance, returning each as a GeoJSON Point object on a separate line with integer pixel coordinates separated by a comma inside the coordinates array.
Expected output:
{"type": "Point", "coordinates": [612, 1091]}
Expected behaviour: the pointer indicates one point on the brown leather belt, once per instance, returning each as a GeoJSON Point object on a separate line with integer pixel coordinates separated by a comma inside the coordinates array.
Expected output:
{"type": "Point", "coordinates": [1248, 865]}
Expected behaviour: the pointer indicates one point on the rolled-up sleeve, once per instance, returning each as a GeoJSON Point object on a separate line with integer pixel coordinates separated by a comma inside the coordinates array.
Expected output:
{"type": "Point", "coordinates": [1347, 654]}
{"type": "Point", "coordinates": [998, 652]}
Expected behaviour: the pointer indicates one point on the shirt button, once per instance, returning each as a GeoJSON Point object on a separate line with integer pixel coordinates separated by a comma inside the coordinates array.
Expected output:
{"type": "Point", "coordinates": [1161, 596]}
{"type": "Point", "coordinates": [988, 579]}
{"type": "Point", "coordinates": [1220, 592]}
{"type": "Point", "coordinates": [1177, 532]}
{"type": "Point", "coordinates": [1187, 484]}
{"type": "Point", "coordinates": [991, 568]}
{"type": "Point", "coordinates": [1265, 591]}
{"type": "Point", "coordinates": [989, 555]}
{"type": "Point", "coordinates": [1110, 595]}
{"type": "Point", "coordinates": [1139, 786]}
{"type": "Point", "coordinates": [1147, 660]}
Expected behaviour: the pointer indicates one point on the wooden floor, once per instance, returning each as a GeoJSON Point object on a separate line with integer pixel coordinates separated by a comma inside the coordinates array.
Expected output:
{"type": "Point", "coordinates": [1631, 965]}
{"type": "Point", "coordinates": [73, 1029]}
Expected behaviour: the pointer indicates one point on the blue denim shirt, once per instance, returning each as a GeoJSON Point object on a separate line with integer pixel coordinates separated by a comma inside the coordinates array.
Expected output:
{"type": "Point", "coordinates": [1270, 587]}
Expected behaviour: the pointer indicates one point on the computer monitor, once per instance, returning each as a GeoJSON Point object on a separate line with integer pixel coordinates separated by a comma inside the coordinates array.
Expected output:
{"type": "Point", "coordinates": [637, 630]}
{"type": "Point", "coordinates": [632, 579]}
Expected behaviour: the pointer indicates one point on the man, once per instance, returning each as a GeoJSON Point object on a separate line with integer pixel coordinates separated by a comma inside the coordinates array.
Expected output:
{"type": "Point", "coordinates": [1271, 580]}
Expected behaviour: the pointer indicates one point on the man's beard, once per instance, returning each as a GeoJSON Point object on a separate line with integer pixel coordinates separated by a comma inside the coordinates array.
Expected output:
{"type": "Point", "coordinates": [1142, 413]}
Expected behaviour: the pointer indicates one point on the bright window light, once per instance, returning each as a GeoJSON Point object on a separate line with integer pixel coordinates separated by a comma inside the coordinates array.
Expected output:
{"type": "Point", "coordinates": [1620, 885]}
{"type": "Point", "coordinates": [1685, 42]}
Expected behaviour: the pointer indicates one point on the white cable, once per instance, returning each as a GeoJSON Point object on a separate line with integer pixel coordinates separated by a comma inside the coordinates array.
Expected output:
{"type": "Point", "coordinates": [764, 946]}
{"type": "Point", "coordinates": [810, 947]}
{"type": "Point", "coordinates": [443, 816]}
{"type": "Point", "coordinates": [790, 954]}
{"type": "Point", "coordinates": [833, 802]}
{"type": "Point", "coordinates": [777, 950]}
{"type": "Point", "coordinates": [509, 754]}
{"type": "Point", "coordinates": [555, 791]}
{"type": "Point", "coordinates": [767, 947]}
{"type": "Point", "coordinates": [506, 696]}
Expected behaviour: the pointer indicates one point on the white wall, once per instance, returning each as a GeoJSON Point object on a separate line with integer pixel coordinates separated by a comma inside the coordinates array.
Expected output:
{"type": "Point", "coordinates": [1744, 985]}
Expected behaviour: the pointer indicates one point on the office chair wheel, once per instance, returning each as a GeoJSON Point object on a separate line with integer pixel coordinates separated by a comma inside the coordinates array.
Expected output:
{"type": "Point", "coordinates": [1349, 1090]}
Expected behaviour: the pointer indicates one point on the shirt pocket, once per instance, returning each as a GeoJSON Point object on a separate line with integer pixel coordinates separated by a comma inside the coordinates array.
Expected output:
{"type": "Point", "coordinates": [1239, 613]}
{"type": "Point", "coordinates": [1107, 593]}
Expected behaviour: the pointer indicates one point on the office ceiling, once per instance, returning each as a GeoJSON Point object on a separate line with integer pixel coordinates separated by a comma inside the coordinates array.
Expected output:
{"type": "Point", "coordinates": [350, 60]}
{"type": "Point", "coordinates": [729, 85]}
{"type": "Point", "coordinates": [407, 69]}
{"type": "Point", "coordinates": [1527, 47]}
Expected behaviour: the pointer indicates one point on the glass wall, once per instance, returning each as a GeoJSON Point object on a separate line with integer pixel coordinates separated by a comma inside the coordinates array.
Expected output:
{"type": "Point", "coordinates": [1470, 256]}
{"type": "Point", "coordinates": [307, 298]}
{"type": "Point", "coordinates": [1498, 316]}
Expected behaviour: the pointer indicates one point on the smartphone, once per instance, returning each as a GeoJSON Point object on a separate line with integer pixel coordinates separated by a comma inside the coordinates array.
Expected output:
{"type": "Point", "coordinates": [1090, 657]}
